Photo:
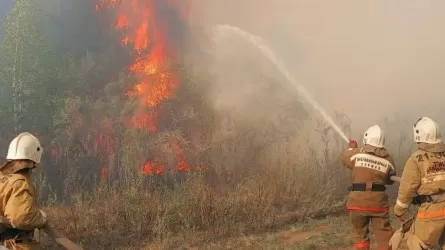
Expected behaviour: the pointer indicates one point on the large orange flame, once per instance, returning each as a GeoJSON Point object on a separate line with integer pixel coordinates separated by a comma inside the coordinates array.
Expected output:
{"type": "Point", "coordinates": [146, 33]}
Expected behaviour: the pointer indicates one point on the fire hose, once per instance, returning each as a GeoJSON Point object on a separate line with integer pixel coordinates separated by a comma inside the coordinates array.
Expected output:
{"type": "Point", "coordinates": [399, 234]}
{"type": "Point", "coordinates": [51, 232]}
{"type": "Point", "coordinates": [395, 178]}
{"type": "Point", "coordinates": [60, 238]}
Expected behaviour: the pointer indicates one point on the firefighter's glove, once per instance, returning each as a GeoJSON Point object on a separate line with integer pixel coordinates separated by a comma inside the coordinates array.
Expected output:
{"type": "Point", "coordinates": [353, 144]}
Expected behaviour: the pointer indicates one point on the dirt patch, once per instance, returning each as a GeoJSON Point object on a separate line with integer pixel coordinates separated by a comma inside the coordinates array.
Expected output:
{"type": "Point", "coordinates": [341, 248]}
{"type": "Point", "coordinates": [292, 237]}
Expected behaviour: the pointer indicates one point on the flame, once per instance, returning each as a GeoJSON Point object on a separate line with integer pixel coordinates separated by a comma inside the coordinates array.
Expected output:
{"type": "Point", "coordinates": [122, 22]}
{"type": "Point", "coordinates": [104, 173]}
{"type": "Point", "coordinates": [182, 165]}
{"type": "Point", "coordinates": [145, 121]}
{"type": "Point", "coordinates": [152, 168]}
{"type": "Point", "coordinates": [145, 31]}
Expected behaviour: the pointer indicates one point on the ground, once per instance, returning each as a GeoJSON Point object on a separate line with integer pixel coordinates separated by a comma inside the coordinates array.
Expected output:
{"type": "Point", "coordinates": [237, 223]}
{"type": "Point", "coordinates": [328, 233]}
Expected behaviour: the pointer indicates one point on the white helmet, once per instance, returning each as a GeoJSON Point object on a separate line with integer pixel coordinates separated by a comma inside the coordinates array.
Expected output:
{"type": "Point", "coordinates": [426, 130]}
{"type": "Point", "coordinates": [25, 147]}
{"type": "Point", "coordinates": [374, 136]}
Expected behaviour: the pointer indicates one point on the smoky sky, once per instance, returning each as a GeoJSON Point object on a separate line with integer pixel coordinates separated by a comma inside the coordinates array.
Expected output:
{"type": "Point", "coordinates": [370, 59]}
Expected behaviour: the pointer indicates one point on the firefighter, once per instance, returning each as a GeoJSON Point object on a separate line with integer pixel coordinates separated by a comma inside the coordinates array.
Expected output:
{"type": "Point", "coordinates": [372, 167]}
{"type": "Point", "coordinates": [423, 183]}
{"type": "Point", "coordinates": [18, 201]}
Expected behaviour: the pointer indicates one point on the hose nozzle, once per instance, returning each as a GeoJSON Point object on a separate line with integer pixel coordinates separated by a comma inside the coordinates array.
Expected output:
{"type": "Point", "coordinates": [352, 143]}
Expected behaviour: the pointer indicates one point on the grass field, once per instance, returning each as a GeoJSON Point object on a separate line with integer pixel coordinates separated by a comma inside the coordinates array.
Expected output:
{"type": "Point", "coordinates": [293, 198]}
{"type": "Point", "coordinates": [194, 216]}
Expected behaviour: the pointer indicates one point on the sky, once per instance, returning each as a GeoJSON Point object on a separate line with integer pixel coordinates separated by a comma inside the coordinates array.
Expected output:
{"type": "Point", "coordinates": [370, 59]}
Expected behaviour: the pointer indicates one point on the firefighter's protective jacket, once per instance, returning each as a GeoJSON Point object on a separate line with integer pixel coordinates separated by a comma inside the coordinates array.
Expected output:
{"type": "Point", "coordinates": [369, 165]}
{"type": "Point", "coordinates": [19, 202]}
{"type": "Point", "coordinates": [424, 174]}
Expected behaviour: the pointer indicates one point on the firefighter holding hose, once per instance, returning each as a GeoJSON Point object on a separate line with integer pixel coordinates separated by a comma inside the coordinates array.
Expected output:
{"type": "Point", "coordinates": [18, 201]}
{"type": "Point", "coordinates": [423, 183]}
{"type": "Point", "coordinates": [372, 167]}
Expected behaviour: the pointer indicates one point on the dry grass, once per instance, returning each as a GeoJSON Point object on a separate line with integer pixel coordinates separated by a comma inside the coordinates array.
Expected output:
{"type": "Point", "coordinates": [160, 211]}
{"type": "Point", "coordinates": [193, 211]}
{"type": "Point", "coordinates": [266, 206]}
{"type": "Point", "coordinates": [276, 183]}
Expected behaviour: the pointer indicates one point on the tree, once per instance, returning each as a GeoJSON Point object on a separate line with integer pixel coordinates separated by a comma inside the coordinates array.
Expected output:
{"type": "Point", "coordinates": [28, 69]}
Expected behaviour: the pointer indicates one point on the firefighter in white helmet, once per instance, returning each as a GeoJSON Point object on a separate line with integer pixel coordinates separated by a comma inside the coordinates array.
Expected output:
{"type": "Point", "coordinates": [18, 200]}
{"type": "Point", "coordinates": [423, 184]}
{"type": "Point", "coordinates": [372, 167]}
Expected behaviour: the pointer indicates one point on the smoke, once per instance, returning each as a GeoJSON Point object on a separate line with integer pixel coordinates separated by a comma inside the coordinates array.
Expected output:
{"type": "Point", "coordinates": [379, 62]}
{"type": "Point", "coordinates": [369, 59]}
{"type": "Point", "coordinates": [250, 87]}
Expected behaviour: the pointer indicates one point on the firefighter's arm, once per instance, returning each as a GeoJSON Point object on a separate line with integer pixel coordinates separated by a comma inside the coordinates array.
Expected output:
{"type": "Point", "coordinates": [409, 184]}
{"type": "Point", "coordinates": [346, 158]}
{"type": "Point", "coordinates": [22, 208]}
{"type": "Point", "coordinates": [347, 155]}
{"type": "Point", "coordinates": [392, 172]}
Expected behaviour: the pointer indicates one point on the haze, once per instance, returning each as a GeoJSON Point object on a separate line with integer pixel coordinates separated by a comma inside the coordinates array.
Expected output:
{"type": "Point", "coordinates": [371, 59]}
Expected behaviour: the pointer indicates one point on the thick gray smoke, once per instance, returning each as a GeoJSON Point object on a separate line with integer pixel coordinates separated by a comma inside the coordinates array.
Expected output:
{"type": "Point", "coordinates": [369, 59]}
{"type": "Point", "coordinates": [374, 60]}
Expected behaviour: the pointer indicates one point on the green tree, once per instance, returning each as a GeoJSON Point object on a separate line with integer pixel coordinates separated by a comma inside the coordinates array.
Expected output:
{"type": "Point", "coordinates": [28, 69]}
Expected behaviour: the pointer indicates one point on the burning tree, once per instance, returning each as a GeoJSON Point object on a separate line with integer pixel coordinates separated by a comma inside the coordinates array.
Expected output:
{"type": "Point", "coordinates": [131, 126]}
{"type": "Point", "coordinates": [152, 117]}
{"type": "Point", "coordinates": [144, 29]}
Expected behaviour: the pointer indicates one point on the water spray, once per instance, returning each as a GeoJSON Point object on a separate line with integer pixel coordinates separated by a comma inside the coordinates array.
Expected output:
{"type": "Point", "coordinates": [259, 43]}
